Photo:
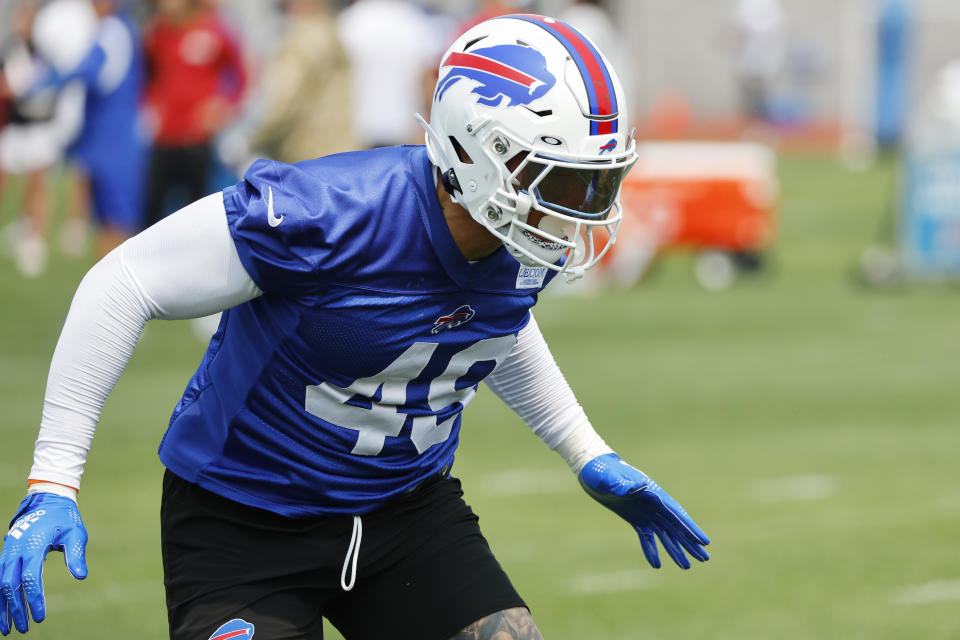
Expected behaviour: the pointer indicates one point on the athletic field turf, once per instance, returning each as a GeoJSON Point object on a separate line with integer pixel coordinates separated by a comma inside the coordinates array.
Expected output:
{"type": "Point", "coordinates": [810, 426]}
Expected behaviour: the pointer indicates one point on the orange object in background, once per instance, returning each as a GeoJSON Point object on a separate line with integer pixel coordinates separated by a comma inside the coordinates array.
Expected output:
{"type": "Point", "coordinates": [705, 196]}
{"type": "Point", "coordinates": [716, 195]}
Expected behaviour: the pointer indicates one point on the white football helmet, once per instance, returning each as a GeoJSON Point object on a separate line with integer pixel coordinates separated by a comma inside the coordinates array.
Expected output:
{"type": "Point", "coordinates": [528, 116]}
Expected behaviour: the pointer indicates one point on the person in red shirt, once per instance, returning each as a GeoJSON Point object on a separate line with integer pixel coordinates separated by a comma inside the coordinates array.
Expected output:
{"type": "Point", "coordinates": [195, 81]}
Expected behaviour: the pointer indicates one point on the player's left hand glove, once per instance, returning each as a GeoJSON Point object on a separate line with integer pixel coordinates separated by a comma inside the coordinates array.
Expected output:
{"type": "Point", "coordinates": [637, 499]}
{"type": "Point", "coordinates": [43, 522]}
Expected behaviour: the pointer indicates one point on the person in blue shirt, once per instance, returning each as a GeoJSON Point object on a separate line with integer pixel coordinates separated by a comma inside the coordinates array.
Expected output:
{"type": "Point", "coordinates": [94, 47]}
{"type": "Point", "coordinates": [366, 295]}
{"type": "Point", "coordinates": [110, 153]}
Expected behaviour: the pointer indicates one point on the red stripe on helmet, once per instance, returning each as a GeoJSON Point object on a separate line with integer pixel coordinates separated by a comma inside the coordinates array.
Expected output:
{"type": "Point", "coordinates": [481, 63]}
{"type": "Point", "coordinates": [593, 64]}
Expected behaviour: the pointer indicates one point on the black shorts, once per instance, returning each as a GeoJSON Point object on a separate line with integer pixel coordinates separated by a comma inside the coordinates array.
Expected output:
{"type": "Point", "coordinates": [424, 571]}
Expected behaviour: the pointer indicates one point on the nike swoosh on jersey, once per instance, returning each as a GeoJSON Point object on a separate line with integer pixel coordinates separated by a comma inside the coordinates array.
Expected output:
{"type": "Point", "coordinates": [272, 218]}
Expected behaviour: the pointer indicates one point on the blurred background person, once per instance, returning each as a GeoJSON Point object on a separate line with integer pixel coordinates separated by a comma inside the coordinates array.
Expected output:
{"type": "Point", "coordinates": [195, 82]}
{"type": "Point", "coordinates": [761, 54]}
{"type": "Point", "coordinates": [391, 46]}
{"type": "Point", "coordinates": [93, 48]}
{"type": "Point", "coordinates": [894, 26]}
{"type": "Point", "coordinates": [33, 141]}
{"type": "Point", "coordinates": [110, 153]}
{"type": "Point", "coordinates": [303, 86]}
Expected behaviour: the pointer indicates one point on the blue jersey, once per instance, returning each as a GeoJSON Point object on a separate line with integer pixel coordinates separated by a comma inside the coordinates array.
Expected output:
{"type": "Point", "coordinates": [110, 146]}
{"type": "Point", "coordinates": [114, 74]}
{"type": "Point", "coordinates": [343, 384]}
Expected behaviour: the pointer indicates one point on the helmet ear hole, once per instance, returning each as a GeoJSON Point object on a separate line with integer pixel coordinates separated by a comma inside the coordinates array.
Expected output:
{"type": "Point", "coordinates": [461, 152]}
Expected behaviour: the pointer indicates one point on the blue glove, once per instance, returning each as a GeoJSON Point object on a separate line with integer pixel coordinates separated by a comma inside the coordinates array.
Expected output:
{"type": "Point", "coordinates": [637, 499]}
{"type": "Point", "coordinates": [44, 521]}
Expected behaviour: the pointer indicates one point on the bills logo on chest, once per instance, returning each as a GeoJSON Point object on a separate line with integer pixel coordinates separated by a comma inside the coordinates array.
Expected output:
{"type": "Point", "coordinates": [461, 315]}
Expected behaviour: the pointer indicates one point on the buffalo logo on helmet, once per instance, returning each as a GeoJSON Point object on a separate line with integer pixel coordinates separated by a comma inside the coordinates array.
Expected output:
{"type": "Point", "coordinates": [506, 71]}
{"type": "Point", "coordinates": [610, 146]}
{"type": "Point", "coordinates": [462, 315]}
{"type": "Point", "coordinates": [236, 629]}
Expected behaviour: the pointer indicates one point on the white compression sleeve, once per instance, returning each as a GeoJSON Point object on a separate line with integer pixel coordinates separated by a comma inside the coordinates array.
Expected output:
{"type": "Point", "coordinates": [185, 266]}
{"type": "Point", "coordinates": [530, 382]}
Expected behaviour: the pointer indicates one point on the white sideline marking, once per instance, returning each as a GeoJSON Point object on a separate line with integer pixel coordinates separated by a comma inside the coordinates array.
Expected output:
{"type": "Point", "coordinates": [793, 488]}
{"type": "Point", "coordinates": [592, 584]}
{"type": "Point", "coordinates": [527, 482]}
{"type": "Point", "coordinates": [937, 591]}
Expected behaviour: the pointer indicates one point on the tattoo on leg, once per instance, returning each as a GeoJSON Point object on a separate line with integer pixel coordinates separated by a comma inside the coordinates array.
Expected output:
{"type": "Point", "coordinates": [509, 624]}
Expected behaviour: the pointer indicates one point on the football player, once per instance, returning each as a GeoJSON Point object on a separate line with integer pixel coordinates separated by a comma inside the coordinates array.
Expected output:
{"type": "Point", "coordinates": [365, 295]}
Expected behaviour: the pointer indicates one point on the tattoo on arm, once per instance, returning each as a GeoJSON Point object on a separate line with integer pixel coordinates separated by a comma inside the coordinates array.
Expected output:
{"type": "Point", "coordinates": [509, 624]}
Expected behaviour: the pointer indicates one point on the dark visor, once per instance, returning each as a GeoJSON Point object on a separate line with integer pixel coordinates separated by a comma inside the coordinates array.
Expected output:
{"type": "Point", "coordinates": [588, 193]}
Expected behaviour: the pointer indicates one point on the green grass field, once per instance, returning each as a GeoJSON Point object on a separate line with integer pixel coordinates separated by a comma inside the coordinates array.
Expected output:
{"type": "Point", "coordinates": [810, 426]}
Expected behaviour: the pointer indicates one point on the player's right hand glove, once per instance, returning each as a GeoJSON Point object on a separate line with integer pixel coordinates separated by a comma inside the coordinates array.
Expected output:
{"type": "Point", "coordinates": [43, 523]}
{"type": "Point", "coordinates": [633, 496]}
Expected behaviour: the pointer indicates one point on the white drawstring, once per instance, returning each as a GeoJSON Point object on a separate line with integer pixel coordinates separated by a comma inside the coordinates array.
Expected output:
{"type": "Point", "coordinates": [352, 551]}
